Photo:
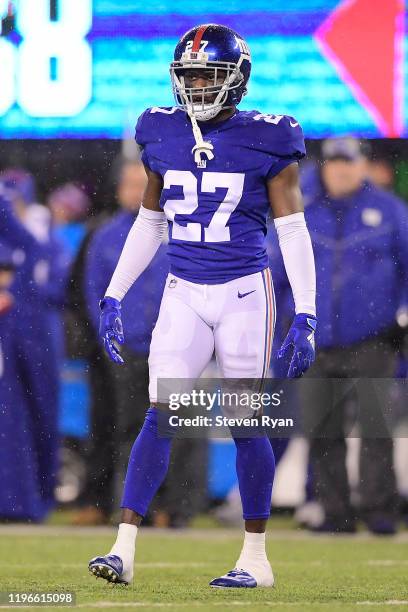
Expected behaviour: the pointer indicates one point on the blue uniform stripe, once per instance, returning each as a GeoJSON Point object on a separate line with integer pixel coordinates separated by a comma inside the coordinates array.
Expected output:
{"type": "Point", "coordinates": [265, 364]}
{"type": "Point", "coordinates": [274, 310]}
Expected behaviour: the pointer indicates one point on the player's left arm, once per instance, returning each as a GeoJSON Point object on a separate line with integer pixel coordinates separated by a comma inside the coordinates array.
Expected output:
{"type": "Point", "coordinates": [294, 240]}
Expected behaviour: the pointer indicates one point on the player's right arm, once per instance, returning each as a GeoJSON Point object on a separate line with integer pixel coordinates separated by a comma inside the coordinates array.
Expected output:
{"type": "Point", "coordinates": [153, 191]}
{"type": "Point", "coordinates": [142, 243]}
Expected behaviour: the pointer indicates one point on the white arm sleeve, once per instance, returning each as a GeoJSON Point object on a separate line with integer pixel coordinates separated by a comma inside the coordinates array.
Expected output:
{"type": "Point", "coordinates": [297, 253]}
{"type": "Point", "coordinates": [144, 238]}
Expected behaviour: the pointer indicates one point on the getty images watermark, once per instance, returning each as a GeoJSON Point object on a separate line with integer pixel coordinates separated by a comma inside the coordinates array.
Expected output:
{"type": "Point", "coordinates": [227, 401]}
{"type": "Point", "coordinates": [219, 407]}
{"type": "Point", "coordinates": [312, 407]}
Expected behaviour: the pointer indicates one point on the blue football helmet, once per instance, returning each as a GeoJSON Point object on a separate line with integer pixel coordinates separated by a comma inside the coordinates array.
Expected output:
{"type": "Point", "coordinates": [225, 56]}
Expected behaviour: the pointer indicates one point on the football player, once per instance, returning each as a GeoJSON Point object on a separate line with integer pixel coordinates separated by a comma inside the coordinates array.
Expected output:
{"type": "Point", "coordinates": [214, 172]}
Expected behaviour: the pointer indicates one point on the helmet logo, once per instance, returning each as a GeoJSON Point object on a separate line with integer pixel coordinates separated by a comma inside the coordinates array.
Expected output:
{"type": "Point", "coordinates": [242, 46]}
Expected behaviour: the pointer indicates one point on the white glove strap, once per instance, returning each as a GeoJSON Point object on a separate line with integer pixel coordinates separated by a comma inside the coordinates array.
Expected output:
{"type": "Point", "coordinates": [144, 238]}
{"type": "Point", "coordinates": [297, 253]}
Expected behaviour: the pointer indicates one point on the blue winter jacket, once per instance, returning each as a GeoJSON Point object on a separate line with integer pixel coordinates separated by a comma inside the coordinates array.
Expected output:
{"type": "Point", "coordinates": [141, 304]}
{"type": "Point", "coordinates": [360, 245]}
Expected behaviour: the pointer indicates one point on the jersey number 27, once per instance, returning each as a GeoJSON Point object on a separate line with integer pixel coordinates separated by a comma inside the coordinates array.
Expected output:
{"type": "Point", "coordinates": [217, 230]}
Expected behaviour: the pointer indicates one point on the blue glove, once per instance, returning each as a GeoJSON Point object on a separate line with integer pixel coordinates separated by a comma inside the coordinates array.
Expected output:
{"type": "Point", "coordinates": [110, 328]}
{"type": "Point", "coordinates": [301, 338]}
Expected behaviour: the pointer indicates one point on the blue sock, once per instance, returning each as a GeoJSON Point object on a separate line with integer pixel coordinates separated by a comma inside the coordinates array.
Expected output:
{"type": "Point", "coordinates": [255, 470]}
{"type": "Point", "coordinates": [148, 465]}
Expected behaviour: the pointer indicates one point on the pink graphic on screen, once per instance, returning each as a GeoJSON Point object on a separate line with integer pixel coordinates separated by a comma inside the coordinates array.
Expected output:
{"type": "Point", "coordinates": [364, 40]}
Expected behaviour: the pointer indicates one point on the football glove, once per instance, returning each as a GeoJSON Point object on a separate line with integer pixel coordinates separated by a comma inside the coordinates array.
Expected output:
{"type": "Point", "coordinates": [111, 329]}
{"type": "Point", "coordinates": [300, 340]}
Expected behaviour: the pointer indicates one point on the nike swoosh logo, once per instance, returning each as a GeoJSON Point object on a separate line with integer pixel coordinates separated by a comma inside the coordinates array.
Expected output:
{"type": "Point", "coordinates": [241, 295]}
{"type": "Point", "coordinates": [293, 124]}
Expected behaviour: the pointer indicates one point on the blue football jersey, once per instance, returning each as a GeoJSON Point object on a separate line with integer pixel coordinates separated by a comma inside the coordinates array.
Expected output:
{"type": "Point", "coordinates": [217, 213]}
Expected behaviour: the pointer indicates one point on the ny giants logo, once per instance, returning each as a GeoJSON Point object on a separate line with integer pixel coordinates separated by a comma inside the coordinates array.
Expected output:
{"type": "Point", "coordinates": [242, 46]}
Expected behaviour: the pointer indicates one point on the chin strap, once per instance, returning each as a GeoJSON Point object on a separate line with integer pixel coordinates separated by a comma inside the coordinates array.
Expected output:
{"type": "Point", "coordinates": [201, 147]}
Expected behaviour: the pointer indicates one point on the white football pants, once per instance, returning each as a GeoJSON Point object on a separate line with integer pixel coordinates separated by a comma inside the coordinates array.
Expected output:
{"type": "Point", "coordinates": [236, 319]}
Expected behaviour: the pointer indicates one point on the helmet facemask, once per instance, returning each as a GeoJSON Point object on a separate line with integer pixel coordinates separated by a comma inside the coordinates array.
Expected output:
{"type": "Point", "coordinates": [204, 102]}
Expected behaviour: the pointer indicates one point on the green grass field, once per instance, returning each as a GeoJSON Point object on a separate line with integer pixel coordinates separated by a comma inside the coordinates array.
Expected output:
{"type": "Point", "coordinates": [173, 569]}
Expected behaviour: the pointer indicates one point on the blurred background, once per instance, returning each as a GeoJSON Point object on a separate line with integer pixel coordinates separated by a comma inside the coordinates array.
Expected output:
{"type": "Point", "coordinates": [74, 76]}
